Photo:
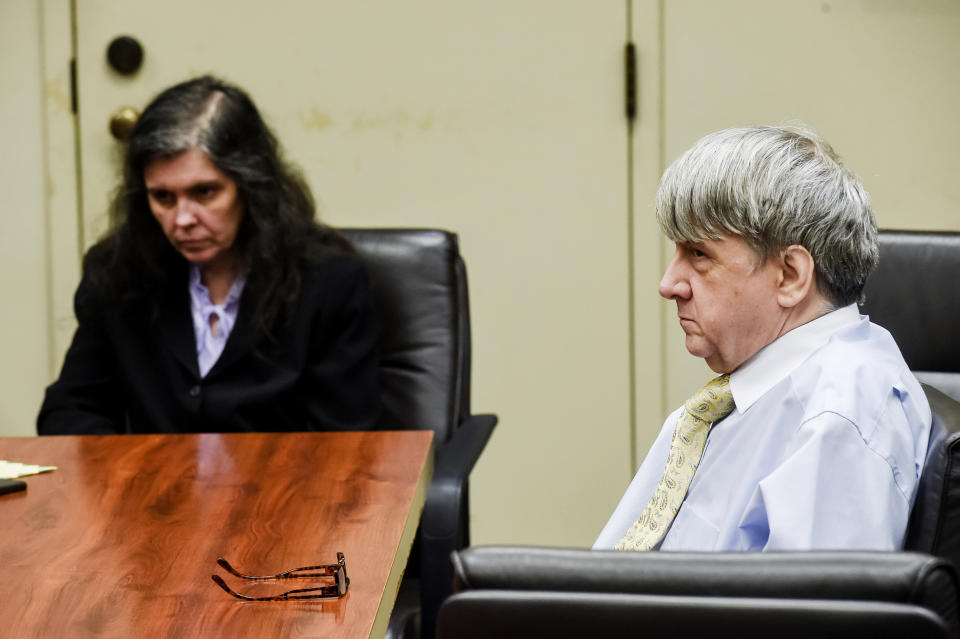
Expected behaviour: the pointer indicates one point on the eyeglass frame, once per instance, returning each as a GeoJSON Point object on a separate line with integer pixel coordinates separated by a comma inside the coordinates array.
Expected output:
{"type": "Point", "coordinates": [338, 571]}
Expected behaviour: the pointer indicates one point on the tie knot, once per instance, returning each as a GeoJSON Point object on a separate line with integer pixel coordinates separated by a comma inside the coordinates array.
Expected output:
{"type": "Point", "coordinates": [713, 402]}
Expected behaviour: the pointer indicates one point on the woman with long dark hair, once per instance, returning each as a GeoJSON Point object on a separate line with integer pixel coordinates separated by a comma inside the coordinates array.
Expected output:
{"type": "Point", "coordinates": [216, 302]}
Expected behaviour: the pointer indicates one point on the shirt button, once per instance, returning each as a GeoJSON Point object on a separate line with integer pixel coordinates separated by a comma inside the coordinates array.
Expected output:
{"type": "Point", "coordinates": [195, 391]}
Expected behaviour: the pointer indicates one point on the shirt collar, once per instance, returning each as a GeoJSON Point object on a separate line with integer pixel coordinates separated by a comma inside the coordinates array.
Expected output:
{"type": "Point", "coordinates": [201, 295]}
{"type": "Point", "coordinates": [772, 363]}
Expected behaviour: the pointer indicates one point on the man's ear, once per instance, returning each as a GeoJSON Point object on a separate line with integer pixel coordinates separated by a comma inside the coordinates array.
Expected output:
{"type": "Point", "coordinates": [797, 276]}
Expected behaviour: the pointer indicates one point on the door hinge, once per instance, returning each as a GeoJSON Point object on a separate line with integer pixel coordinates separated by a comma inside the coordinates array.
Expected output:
{"type": "Point", "coordinates": [73, 85]}
{"type": "Point", "coordinates": [630, 80]}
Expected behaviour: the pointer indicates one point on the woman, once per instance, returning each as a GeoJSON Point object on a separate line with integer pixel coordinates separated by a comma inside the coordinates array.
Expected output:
{"type": "Point", "coordinates": [215, 303]}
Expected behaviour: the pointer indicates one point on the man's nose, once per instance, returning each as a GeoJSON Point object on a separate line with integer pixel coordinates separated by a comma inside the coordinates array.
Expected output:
{"type": "Point", "coordinates": [674, 284]}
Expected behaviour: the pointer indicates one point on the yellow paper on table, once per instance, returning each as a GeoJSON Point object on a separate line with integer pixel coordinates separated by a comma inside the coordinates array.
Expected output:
{"type": "Point", "coordinates": [12, 470]}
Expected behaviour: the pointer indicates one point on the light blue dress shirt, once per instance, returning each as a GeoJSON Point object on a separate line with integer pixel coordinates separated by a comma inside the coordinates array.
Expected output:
{"type": "Point", "coordinates": [823, 449]}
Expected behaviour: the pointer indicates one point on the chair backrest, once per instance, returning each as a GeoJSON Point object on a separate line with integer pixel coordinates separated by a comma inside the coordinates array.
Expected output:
{"type": "Point", "coordinates": [934, 525]}
{"type": "Point", "coordinates": [420, 287]}
{"type": "Point", "coordinates": [914, 294]}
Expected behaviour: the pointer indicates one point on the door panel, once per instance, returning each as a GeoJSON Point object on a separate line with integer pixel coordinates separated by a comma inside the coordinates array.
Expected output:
{"type": "Point", "coordinates": [489, 119]}
{"type": "Point", "coordinates": [24, 267]}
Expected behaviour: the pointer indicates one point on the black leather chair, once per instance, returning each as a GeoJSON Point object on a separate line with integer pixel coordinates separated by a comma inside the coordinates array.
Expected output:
{"type": "Point", "coordinates": [420, 285]}
{"type": "Point", "coordinates": [563, 593]}
{"type": "Point", "coordinates": [914, 294]}
{"type": "Point", "coordinates": [934, 525]}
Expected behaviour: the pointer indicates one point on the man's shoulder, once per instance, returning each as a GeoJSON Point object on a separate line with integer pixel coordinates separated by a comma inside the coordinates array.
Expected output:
{"type": "Point", "coordinates": [855, 374]}
{"type": "Point", "coordinates": [862, 346]}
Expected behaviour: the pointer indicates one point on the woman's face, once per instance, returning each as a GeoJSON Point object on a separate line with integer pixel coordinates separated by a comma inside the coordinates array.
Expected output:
{"type": "Point", "coordinates": [197, 206]}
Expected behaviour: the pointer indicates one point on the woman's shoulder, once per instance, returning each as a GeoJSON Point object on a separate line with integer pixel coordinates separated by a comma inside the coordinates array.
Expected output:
{"type": "Point", "coordinates": [334, 266]}
{"type": "Point", "coordinates": [113, 274]}
{"type": "Point", "coordinates": [98, 279]}
{"type": "Point", "coordinates": [101, 255]}
{"type": "Point", "coordinates": [336, 277]}
{"type": "Point", "coordinates": [328, 257]}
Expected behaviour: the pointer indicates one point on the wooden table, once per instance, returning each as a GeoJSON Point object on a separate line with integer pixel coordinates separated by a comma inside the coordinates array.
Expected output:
{"type": "Point", "coordinates": [121, 540]}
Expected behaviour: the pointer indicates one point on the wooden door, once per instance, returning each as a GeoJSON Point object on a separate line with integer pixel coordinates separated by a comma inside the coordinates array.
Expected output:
{"type": "Point", "coordinates": [38, 245]}
{"type": "Point", "coordinates": [500, 120]}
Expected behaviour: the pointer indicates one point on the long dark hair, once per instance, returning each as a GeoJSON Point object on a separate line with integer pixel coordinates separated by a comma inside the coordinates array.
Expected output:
{"type": "Point", "coordinates": [277, 232]}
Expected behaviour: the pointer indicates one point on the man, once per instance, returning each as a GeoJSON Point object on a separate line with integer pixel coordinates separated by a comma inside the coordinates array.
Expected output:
{"type": "Point", "coordinates": [815, 433]}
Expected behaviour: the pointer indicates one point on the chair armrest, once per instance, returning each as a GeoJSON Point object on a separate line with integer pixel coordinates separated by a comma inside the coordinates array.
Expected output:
{"type": "Point", "coordinates": [452, 467]}
{"type": "Point", "coordinates": [524, 613]}
{"type": "Point", "coordinates": [446, 507]}
{"type": "Point", "coordinates": [895, 577]}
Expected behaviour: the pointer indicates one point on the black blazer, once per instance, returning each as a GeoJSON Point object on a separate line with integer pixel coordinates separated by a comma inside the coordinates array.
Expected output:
{"type": "Point", "coordinates": [136, 370]}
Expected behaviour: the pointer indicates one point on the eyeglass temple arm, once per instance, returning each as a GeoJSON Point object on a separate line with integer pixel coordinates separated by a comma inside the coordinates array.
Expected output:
{"type": "Point", "coordinates": [325, 592]}
{"type": "Point", "coordinates": [327, 570]}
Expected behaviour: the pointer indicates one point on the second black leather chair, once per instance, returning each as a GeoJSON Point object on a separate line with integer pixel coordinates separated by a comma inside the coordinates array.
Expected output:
{"type": "Point", "coordinates": [420, 285]}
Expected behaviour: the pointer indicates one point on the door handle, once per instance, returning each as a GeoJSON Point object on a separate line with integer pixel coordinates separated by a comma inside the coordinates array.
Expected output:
{"type": "Point", "coordinates": [122, 122]}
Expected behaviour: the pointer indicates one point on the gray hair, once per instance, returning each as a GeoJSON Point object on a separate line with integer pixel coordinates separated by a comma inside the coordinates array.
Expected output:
{"type": "Point", "coordinates": [774, 187]}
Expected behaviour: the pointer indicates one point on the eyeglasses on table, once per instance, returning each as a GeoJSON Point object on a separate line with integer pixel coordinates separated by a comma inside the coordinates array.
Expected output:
{"type": "Point", "coordinates": [338, 571]}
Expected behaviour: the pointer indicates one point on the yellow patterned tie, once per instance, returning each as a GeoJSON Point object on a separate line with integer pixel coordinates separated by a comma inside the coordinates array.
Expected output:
{"type": "Point", "coordinates": [712, 403]}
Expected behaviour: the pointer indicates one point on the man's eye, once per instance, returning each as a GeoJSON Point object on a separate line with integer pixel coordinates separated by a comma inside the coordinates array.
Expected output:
{"type": "Point", "coordinates": [698, 253]}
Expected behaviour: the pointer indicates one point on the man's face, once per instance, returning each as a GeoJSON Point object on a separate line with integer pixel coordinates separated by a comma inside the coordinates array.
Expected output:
{"type": "Point", "coordinates": [726, 302]}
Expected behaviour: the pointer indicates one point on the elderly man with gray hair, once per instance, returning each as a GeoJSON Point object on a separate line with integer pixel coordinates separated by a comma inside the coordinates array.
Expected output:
{"type": "Point", "coordinates": [814, 434]}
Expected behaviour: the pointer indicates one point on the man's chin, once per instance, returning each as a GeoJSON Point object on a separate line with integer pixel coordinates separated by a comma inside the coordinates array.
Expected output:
{"type": "Point", "coordinates": [720, 368]}
{"type": "Point", "coordinates": [697, 347]}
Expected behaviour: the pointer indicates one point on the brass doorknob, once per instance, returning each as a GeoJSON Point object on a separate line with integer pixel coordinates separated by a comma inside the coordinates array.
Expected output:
{"type": "Point", "coordinates": [122, 122]}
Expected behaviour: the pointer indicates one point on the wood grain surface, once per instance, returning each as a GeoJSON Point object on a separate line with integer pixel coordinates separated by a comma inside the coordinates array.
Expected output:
{"type": "Point", "coordinates": [121, 540]}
